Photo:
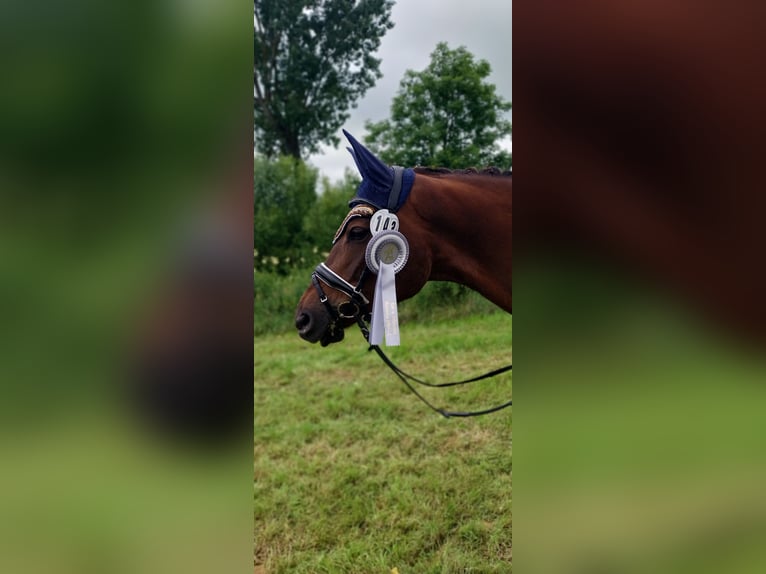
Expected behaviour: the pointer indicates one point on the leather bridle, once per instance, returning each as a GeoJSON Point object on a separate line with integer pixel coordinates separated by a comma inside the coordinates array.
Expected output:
{"type": "Point", "coordinates": [354, 308]}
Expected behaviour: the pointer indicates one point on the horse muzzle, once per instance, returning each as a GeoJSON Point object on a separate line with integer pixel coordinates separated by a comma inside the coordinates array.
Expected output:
{"type": "Point", "coordinates": [316, 327]}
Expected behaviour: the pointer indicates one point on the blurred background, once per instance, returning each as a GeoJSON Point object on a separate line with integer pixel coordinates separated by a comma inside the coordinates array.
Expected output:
{"type": "Point", "coordinates": [126, 307]}
{"type": "Point", "coordinates": [639, 287]}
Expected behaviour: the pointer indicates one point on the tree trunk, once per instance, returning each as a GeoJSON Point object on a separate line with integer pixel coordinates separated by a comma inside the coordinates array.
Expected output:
{"type": "Point", "coordinates": [290, 145]}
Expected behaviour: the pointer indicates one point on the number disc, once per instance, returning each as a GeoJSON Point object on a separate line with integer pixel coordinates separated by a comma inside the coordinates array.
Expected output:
{"type": "Point", "coordinates": [383, 220]}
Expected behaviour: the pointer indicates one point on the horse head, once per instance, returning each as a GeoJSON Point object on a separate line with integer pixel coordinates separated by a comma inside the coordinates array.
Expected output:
{"type": "Point", "coordinates": [342, 288]}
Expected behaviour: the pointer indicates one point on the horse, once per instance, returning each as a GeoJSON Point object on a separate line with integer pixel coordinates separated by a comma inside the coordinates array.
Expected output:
{"type": "Point", "coordinates": [458, 227]}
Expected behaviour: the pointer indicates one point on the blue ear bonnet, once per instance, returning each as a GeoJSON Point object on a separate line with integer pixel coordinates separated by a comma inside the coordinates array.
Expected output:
{"type": "Point", "coordinates": [382, 186]}
{"type": "Point", "coordinates": [379, 196]}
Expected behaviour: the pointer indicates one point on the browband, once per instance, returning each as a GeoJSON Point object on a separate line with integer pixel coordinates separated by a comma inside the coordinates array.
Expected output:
{"type": "Point", "coordinates": [361, 210]}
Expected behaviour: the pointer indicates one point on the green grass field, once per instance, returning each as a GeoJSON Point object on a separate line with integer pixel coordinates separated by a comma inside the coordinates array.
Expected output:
{"type": "Point", "coordinates": [353, 474]}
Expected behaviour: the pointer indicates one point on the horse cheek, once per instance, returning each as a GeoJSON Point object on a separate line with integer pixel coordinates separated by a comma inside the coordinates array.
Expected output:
{"type": "Point", "coordinates": [413, 277]}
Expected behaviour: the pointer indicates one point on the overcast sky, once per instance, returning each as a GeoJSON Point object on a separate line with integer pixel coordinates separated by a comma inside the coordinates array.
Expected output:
{"type": "Point", "coordinates": [482, 26]}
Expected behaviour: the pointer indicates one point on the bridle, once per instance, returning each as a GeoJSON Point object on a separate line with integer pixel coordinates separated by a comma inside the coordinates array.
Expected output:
{"type": "Point", "coordinates": [357, 308]}
{"type": "Point", "coordinates": [351, 309]}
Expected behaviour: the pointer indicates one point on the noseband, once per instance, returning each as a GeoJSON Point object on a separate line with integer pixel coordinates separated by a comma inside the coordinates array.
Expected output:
{"type": "Point", "coordinates": [352, 309]}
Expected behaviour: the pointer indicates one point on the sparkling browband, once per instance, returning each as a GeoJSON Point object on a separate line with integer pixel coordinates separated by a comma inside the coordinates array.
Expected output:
{"type": "Point", "coordinates": [361, 210]}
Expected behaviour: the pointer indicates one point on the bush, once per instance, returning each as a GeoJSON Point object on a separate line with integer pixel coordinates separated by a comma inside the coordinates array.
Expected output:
{"type": "Point", "coordinates": [276, 299]}
{"type": "Point", "coordinates": [284, 192]}
{"type": "Point", "coordinates": [321, 223]}
{"type": "Point", "coordinates": [293, 227]}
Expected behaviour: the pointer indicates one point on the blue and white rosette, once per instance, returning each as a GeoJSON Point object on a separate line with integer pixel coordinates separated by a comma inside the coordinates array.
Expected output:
{"type": "Point", "coordinates": [386, 255]}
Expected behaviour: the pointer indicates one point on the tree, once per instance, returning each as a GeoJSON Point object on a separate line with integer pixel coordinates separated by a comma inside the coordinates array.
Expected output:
{"type": "Point", "coordinates": [313, 60]}
{"type": "Point", "coordinates": [284, 194]}
{"type": "Point", "coordinates": [447, 115]}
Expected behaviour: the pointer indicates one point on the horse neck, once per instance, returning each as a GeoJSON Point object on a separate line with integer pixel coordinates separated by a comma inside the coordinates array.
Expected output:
{"type": "Point", "coordinates": [466, 223]}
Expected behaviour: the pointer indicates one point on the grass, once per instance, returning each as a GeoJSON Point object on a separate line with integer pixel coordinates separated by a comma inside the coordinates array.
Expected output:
{"type": "Point", "coordinates": [353, 474]}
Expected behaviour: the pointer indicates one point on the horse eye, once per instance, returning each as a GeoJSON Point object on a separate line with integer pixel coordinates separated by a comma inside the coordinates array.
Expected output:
{"type": "Point", "coordinates": [356, 233]}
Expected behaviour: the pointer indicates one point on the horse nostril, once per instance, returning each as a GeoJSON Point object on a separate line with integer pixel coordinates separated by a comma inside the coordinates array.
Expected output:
{"type": "Point", "coordinates": [303, 322]}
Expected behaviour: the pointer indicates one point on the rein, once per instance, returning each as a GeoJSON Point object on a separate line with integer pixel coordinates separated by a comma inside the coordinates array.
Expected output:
{"type": "Point", "coordinates": [405, 376]}
{"type": "Point", "coordinates": [352, 309]}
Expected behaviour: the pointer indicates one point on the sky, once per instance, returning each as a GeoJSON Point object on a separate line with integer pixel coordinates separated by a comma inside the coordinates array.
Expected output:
{"type": "Point", "coordinates": [482, 26]}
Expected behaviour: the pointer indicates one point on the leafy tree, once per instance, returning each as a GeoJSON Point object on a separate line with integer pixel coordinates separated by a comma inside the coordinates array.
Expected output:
{"type": "Point", "coordinates": [284, 194]}
{"type": "Point", "coordinates": [446, 115]}
{"type": "Point", "coordinates": [313, 60]}
{"type": "Point", "coordinates": [331, 207]}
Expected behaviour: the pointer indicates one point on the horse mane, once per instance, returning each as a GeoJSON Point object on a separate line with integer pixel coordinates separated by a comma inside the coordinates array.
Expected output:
{"type": "Point", "coordinates": [493, 171]}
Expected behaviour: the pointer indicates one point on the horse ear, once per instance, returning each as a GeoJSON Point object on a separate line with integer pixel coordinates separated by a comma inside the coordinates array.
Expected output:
{"type": "Point", "coordinates": [353, 155]}
{"type": "Point", "coordinates": [370, 166]}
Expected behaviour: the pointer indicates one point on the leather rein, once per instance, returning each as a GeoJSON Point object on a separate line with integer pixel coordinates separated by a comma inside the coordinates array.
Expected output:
{"type": "Point", "coordinates": [355, 309]}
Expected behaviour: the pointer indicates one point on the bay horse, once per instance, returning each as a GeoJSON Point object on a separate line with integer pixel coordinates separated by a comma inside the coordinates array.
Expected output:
{"type": "Point", "coordinates": [458, 226]}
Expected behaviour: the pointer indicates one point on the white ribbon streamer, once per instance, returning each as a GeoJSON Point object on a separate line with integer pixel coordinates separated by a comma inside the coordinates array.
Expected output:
{"type": "Point", "coordinates": [385, 313]}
